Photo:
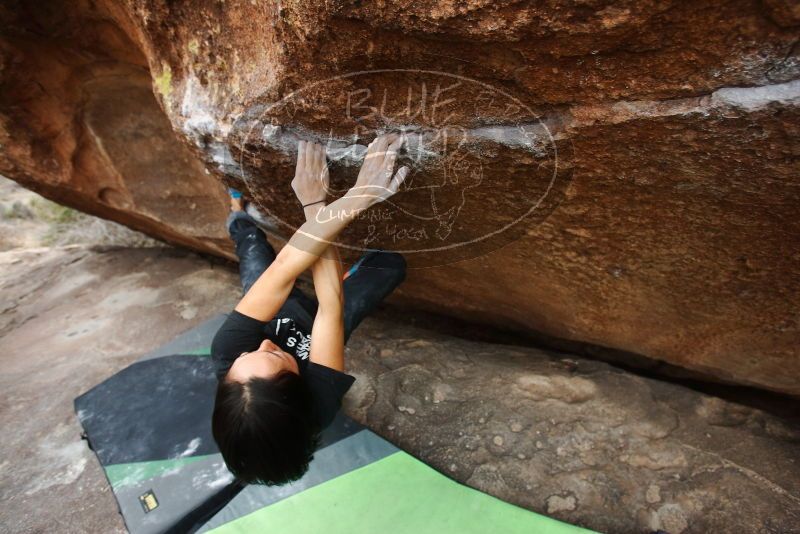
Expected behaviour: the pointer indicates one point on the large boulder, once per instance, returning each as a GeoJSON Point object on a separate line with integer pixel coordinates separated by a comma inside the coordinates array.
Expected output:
{"type": "Point", "coordinates": [617, 173]}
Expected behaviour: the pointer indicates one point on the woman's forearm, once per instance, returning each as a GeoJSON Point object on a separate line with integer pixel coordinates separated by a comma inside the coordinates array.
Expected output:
{"type": "Point", "coordinates": [311, 240]}
{"type": "Point", "coordinates": [327, 339]}
{"type": "Point", "coordinates": [308, 243]}
{"type": "Point", "coordinates": [327, 273]}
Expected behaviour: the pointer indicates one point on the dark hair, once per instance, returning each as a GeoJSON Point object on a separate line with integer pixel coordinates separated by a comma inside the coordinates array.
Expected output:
{"type": "Point", "coordinates": [265, 428]}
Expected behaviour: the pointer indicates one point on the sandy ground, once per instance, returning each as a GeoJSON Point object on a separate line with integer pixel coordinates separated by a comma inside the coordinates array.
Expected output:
{"type": "Point", "coordinates": [71, 318]}
{"type": "Point", "coordinates": [28, 220]}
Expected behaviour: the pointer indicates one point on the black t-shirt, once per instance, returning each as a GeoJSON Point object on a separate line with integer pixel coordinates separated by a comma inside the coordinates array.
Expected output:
{"type": "Point", "coordinates": [240, 333]}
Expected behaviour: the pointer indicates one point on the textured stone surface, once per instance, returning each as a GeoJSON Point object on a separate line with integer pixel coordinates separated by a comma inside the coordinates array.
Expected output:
{"type": "Point", "coordinates": [577, 439]}
{"type": "Point", "coordinates": [29, 221]}
{"type": "Point", "coordinates": [655, 143]}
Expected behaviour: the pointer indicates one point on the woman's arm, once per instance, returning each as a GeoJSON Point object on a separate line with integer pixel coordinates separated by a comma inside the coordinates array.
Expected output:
{"type": "Point", "coordinates": [375, 183]}
{"type": "Point", "coordinates": [310, 184]}
{"type": "Point", "coordinates": [327, 334]}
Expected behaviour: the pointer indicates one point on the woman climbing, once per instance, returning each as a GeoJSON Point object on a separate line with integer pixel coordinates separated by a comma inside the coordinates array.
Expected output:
{"type": "Point", "coordinates": [279, 355]}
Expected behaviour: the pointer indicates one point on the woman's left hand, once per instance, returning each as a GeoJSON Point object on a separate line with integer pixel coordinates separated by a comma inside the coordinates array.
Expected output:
{"type": "Point", "coordinates": [311, 177]}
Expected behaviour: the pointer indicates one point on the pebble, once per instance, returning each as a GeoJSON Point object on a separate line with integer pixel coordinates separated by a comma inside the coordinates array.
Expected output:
{"type": "Point", "coordinates": [516, 427]}
{"type": "Point", "coordinates": [498, 440]}
{"type": "Point", "coordinates": [653, 494]}
{"type": "Point", "coordinates": [673, 518]}
{"type": "Point", "coordinates": [557, 503]}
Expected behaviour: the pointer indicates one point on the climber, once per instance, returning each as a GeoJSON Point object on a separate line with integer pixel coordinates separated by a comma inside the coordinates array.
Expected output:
{"type": "Point", "coordinates": [279, 385]}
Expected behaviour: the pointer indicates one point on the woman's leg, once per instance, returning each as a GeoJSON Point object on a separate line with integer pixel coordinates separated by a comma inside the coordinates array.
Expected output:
{"type": "Point", "coordinates": [254, 251]}
{"type": "Point", "coordinates": [371, 280]}
{"type": "Point", "coordinates": [255, 255]}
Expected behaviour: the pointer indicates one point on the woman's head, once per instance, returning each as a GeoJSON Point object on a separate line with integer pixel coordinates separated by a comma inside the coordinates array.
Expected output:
{"type": "Point", "coordinates": [263, 419]}
{"type": "Point", "coordinates": [265, 362]}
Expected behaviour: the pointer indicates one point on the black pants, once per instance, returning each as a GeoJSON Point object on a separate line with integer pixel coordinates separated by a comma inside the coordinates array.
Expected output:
{"type": "Point", "coordinates": [376, 274]}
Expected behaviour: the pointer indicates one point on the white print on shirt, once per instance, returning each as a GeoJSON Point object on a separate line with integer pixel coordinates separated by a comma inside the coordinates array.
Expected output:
{"type": "Point", "coordinates": [279, 322]}
{"type": "Point", "coordinates": [304, 347]}
{"type": "Point", "coordinates": [295, 339]}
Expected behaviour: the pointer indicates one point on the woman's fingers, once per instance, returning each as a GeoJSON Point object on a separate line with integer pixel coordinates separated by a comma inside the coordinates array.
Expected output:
{"type": "Point", "coordinates": [391, 155]}
{"type": "Point", "coordinates": [377, 148]}
{"type": "Point", "coordinates": [322, 171]}
{"type": "Point", "coordinates": [396, 143]}
{"type": "Point", "coordinates": [381, 149]}
{"type": "Point", "coordinates": [311, 154]}
{"type": "Point", "coordinates": [374, 154]}
{"type": "Point", "coordinates": [379, 144]}
{"type": "Point", "coordinates": [376, 178]}
{"type": "Point", "coordinates": [301, 154]}
{"type": "Point", "coordinates": [319, 154]}
{"type": "Point", "coordinates": [398, 179]}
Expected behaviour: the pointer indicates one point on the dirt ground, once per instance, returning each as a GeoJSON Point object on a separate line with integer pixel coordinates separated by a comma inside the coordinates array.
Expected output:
{"type": "Point", "coordinates": [72, 317]}
{"type": "Point", "coordinates": [76, 308]}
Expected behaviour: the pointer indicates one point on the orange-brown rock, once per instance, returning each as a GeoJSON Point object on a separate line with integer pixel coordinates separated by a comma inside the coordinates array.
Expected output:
{"type": "Point", "coordinates": [79, 125]}
{"type": "Point", "coordinates": [619, 173]}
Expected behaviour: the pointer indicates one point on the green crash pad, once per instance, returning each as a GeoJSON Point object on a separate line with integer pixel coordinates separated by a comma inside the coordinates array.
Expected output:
{"type": "Point", "coordinates": [397, 494]}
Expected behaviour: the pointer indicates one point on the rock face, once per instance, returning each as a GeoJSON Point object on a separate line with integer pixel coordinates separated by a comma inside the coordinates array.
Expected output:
{"type": "Point", "coordinates": [80, 126]}
{"type": "Point", "coordinates": [618, 173]}
{"type": "Point", "coordinates": [576, 439]}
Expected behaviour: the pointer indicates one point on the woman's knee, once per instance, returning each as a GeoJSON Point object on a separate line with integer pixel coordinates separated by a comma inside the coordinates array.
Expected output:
{"type": "Point", "coordinates": [240, 224]}
{"type": "Point", "coordinates": [395, 265]}
{"type": "Point", "coordinates": [396, 260]}
{"type": "Point", "coordinates": [388, 260]}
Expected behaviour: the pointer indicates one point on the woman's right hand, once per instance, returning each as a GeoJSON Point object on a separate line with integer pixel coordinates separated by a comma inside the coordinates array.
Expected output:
{"type": "Point", "coordinates": [311, 177]}
{"type": "Point", "coordinates": [377, 180]}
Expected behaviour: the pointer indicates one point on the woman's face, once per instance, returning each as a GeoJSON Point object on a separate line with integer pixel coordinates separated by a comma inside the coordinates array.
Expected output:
{"type": "Point", "coordinates": [265, 362]}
